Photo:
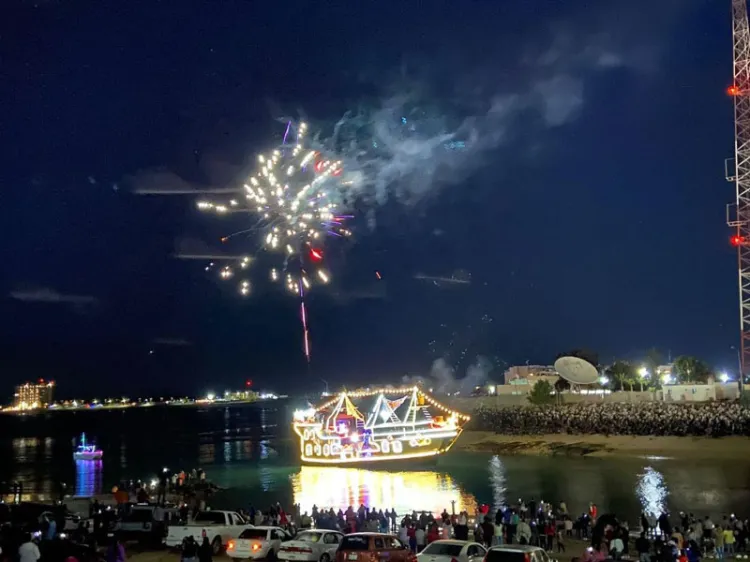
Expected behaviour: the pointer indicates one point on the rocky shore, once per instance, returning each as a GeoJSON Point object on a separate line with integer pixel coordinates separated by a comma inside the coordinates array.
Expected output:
{"type": "Point", "coordinates": [604, 445]}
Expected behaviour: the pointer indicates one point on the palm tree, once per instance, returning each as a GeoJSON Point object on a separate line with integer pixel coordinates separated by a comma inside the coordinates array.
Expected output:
{"type": "Point", "coordinates": [622, 373]}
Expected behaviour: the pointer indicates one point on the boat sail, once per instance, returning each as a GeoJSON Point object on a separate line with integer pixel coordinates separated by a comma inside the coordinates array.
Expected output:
{"type": "Point", "coordinates": [377, 425]}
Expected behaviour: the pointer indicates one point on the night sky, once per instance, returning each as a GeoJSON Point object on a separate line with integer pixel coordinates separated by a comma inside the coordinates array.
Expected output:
{"type": "Point", "coordinates": [588, 205]}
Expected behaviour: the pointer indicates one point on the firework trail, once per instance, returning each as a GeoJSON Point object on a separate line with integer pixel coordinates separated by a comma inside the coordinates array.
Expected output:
{"type": "Point", "coordinates": [293, 196]}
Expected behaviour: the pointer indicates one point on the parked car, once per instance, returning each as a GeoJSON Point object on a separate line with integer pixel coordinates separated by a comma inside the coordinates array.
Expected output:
{"type": "Point", "coordinates": [219, 526]}
{"type": "Point", "coordinates": [517, 553]}
{"type": "Point", "coordinates": [452, 551]}
{"type": "Point", "coordinates": [145, 522]}
{"type": "Point", "coordinates": [317, 545]}
{"type": "Point", "coordinates": [257, 542]}
{"type": "Point", "coordinates": [364, 547]}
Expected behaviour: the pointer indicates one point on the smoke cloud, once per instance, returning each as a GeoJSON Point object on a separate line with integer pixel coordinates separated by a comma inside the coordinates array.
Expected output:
{"type": "Point", "coordinates": [421, 139]}
{"type": "Point", "coordinates": [442, 378]}
{"type": "Point", "coordinates": [437, 122]}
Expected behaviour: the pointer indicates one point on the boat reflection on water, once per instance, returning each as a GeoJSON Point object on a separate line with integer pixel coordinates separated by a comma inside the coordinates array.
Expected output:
{"type": "Point", "coordinates": [339, 488]}
{"type": "Point", "coordinates": [88, 478]}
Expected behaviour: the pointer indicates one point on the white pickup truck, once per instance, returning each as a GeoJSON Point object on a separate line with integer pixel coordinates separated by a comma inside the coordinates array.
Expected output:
{"type": "Point", "coordinates": [218, 526]}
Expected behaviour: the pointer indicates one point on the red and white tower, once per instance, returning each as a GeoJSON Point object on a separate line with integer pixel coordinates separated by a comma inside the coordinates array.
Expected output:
{"type": "Point", "coordinates": [738, 171]}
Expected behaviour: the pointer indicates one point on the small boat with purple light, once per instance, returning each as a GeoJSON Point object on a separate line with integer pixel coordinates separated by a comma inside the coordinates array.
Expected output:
{"type": "Point", "coordinates": [86, 452]}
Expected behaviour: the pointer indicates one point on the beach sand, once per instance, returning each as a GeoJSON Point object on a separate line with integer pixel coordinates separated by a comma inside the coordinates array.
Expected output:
{"type": "Point", "coordinates": [605, 446]}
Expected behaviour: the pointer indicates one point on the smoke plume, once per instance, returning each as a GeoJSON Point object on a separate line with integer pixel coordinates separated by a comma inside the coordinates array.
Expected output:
{"type": "Point", "coordinates": [429, 134]}
{"type": "Point", "coordinates": [442, 378]}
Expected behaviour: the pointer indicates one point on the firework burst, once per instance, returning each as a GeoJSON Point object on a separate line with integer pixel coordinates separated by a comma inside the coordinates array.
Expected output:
{"type": "Point", "coordinates": [293, 197]}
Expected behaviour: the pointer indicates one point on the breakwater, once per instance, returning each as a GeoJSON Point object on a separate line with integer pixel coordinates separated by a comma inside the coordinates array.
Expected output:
{"type": "Point", "coordinates": [710, 419]}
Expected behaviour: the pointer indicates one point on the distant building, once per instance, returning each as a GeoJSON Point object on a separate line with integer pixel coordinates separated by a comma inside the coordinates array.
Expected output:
{"type": "Point", "coordinates": [664, 373]}
{"type": "Point", "coordinates": [34, 395]}
{"type": "Point", "coordinates": [530, 374]}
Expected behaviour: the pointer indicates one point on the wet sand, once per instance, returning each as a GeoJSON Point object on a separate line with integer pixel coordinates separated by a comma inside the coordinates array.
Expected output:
{"type": "Point", "coordinates": [605, 446]}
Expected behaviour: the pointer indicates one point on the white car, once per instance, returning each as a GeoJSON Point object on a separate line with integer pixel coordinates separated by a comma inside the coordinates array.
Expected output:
{"type": "Point", "coordinates": [316, 545]}
{"type": "Point", "coordinates": [219, 526]}
{"type": "Point", "coordinates": [452, 551]}
{"type": "Point", "coordinates": [257, 542]}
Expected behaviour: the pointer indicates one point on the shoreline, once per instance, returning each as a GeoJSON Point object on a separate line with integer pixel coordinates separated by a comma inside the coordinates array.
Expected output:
{"type": "Point", "coordinates": [602, 446]}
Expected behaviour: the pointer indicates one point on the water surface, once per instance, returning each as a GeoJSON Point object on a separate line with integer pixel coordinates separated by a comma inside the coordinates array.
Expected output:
{"type": "Point", "coordinates": [250, 451]}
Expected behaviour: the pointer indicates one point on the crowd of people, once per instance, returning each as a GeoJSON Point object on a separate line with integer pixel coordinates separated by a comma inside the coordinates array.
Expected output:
{"type": "Point", "coordinates": [684, 538]}
{"type": "Point", "coordinates": [715, 419]}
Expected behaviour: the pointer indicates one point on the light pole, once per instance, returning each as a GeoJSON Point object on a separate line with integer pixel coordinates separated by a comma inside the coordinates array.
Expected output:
{"type": "Point", "coordinates": [739, 369]}
{"type": "Point", "coordinates": [643, 374]}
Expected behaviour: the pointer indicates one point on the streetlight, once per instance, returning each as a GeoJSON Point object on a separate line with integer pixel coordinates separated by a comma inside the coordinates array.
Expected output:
{"type": "Point", "coordinates": [643, 372]}
{"type": "Point", "coordinates": [724, 377]}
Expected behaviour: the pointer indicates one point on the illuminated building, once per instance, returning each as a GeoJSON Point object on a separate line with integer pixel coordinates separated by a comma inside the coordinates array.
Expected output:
{"type": "Point", "coordinates": [530, 374]}
{"type": "Point", "coordinates": [377, 425]}
{"type": "Point", "coordinates": [34, 395]}
{"type": "Point", "coordinates": [664, 372]}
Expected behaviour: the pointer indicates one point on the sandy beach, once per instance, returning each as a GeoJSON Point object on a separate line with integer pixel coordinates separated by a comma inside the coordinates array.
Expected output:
{"type": "Point", "coordinates": [605, 446]}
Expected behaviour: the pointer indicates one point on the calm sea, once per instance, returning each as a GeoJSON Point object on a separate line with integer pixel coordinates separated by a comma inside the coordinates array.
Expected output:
{"type": "Point", "coordinates": [249, 450]}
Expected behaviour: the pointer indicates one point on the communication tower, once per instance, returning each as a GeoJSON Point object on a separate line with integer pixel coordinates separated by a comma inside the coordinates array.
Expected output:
{"type": "Point", "coordinates": [738, 171]}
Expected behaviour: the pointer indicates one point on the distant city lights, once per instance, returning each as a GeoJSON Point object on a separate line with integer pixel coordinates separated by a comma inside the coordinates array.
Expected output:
{"type": "Point", "coordinates": [23, 402]}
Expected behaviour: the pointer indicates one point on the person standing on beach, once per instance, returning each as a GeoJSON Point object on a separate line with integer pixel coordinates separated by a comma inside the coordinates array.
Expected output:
{"type": "Point", "coordinates": [116, 551]}
{"type": "Point", "coordinates": [719, 542]}
{"type": "Point", "coordinates": [205, 552]}
{"type": "Point", "coordinates": [643, 548]}
{"type": "Point", "coordinates": [421, 538]}
{"type": "Point", "coordinates": [28, 551]}
{"type": "Point", "coordinates": [729, 540]}
{"type": "Point", "coordinates": [189, 549]}
{"type": "Point", "coordinates": [488, 531]}
{"type": "Point", "coordinates": [560, 540]}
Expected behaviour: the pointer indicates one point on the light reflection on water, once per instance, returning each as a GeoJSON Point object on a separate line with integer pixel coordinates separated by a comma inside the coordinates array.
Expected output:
{"type": "Point", "coordinates": [88, 478]}
{"type": "Point", "coordinates": [652, 491]}
{"type": "Point", "coordinates": [497, 482]}
{"type": "Point", "coordinates": [340, 488]}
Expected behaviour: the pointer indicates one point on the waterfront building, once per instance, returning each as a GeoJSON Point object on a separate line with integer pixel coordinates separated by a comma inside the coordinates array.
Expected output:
{"type": "Point", "coordinates": [530, 374]}
{"type": "Point", "coordinates": [34, 395]}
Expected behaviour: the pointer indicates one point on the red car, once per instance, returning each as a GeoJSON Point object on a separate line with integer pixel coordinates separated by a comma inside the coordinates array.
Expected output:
{"type": "Point", "coordinates": [373, 547]}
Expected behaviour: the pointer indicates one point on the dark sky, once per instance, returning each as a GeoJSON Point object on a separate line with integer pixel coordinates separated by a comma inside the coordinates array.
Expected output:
{"type": "Point", "coordinates": [589, 207]}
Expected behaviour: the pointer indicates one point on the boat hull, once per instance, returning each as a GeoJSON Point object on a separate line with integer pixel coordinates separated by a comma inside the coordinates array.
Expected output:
{"type": "Point", "coordinates": [93, 456]}
{"type": "Point", "coordinates": [411, 452]}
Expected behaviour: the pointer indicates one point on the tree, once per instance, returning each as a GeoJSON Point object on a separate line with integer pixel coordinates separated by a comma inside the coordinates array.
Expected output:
{"type": "Point", "coordinates": [541, 393]}
{"type": "Point", "coordinates": [561, 385]}
{"type": "Point", "coordinates": [623, 375]}
{"type": "Point", "coordinates": [689, 369]}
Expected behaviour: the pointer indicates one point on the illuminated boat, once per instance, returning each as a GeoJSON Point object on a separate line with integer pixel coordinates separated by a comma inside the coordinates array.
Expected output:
{"type": "Point", "coordinates": [86, 452]}
{"type": "Point", "coordinates": [378, 425]}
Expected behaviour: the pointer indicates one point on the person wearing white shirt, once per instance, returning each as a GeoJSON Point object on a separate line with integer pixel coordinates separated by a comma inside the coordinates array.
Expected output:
{"type": "Point", "coordinates": [615, 548]}
{"type": "Point", "coordinates": [419, 535]}
{"type": "Point", "coordinates": [28, 551]}
{"type": "Point", "coordinates": [403, 534]}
